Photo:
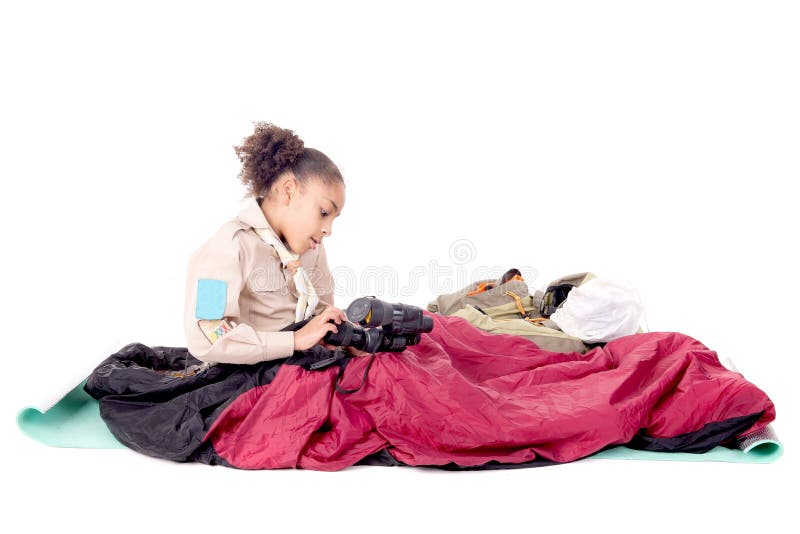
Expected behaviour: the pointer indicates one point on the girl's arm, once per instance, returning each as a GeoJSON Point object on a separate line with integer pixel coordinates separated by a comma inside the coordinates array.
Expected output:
{"type": "Point", "coordinates": [212, 325]}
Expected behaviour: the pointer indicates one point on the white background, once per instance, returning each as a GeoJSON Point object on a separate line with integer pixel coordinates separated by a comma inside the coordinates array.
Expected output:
{"type": "Point", "coordinates": [652, 143]}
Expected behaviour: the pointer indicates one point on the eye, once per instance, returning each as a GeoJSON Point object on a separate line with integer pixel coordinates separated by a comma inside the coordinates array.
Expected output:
{"type": "Point", "coordinates": [324, 213]}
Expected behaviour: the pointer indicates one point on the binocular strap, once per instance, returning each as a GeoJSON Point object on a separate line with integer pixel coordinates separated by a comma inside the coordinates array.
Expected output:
{"type": "Point", "coordinates": [342, 365]}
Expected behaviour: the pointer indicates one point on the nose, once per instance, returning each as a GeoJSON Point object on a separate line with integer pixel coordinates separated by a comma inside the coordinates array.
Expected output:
{"type": "Point", "coordinates": [327, 232]}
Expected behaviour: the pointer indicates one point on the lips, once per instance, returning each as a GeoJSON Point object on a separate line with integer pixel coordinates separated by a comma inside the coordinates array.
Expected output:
{"type": "Point", "coordinates": [313, 243]}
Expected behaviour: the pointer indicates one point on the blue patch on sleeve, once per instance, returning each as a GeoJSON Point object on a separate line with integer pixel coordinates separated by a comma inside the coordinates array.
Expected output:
{"type": "Point", "coordinates": [211, 298]}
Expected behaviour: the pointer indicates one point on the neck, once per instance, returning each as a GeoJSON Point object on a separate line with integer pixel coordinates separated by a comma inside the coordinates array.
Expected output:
{"type": "Point", "coordinates": [271, 220]}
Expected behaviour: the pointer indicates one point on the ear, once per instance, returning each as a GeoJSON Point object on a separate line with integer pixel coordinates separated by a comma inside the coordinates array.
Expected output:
{"type": "Point", "coordinates": [288, 187]}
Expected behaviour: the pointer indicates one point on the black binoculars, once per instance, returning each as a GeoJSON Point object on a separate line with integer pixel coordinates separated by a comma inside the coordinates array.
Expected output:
{"type": "Point", "coordinates": [377, 326]}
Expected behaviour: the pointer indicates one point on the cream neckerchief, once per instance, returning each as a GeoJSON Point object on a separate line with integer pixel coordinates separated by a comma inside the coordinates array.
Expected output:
{"type": "Point", "coordinates": [307, 296]}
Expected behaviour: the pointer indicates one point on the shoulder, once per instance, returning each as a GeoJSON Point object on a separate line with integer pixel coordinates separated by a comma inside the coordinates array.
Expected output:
{"type": "Point", "coordinates": [229, 229]}
{"type": "Point", "coordinates": [223, 242]}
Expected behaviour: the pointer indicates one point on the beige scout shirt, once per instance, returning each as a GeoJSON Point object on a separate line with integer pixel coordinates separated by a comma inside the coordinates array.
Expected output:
{"type": "Point", "coordinates": [261, 295]}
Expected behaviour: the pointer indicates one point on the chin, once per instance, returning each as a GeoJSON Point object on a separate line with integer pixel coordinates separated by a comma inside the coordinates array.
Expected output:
{"type": "Point", "coordinates": [298, 250]}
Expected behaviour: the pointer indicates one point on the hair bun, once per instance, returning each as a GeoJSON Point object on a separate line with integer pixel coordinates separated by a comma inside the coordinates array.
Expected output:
{"type": "Point", "coordinates": [266, 153]}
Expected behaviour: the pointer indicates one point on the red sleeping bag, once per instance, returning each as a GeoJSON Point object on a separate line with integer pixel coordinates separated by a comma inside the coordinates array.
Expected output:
{"type": "Point", "coordinates": [465, 396]}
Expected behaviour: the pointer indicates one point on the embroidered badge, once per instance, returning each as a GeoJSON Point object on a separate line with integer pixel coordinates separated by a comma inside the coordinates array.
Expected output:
{"type": "Point", "coordinates": [213, 330]}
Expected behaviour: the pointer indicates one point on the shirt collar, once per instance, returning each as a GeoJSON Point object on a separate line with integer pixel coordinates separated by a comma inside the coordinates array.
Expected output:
{"type": "Point", "coordinates": [252, 215]}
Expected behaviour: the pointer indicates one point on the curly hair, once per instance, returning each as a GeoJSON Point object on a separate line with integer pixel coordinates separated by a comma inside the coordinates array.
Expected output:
{"type": "Point", "coordinates": [271, 150]}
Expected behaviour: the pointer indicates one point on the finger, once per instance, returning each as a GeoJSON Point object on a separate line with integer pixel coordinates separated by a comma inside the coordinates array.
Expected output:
{"type": "Point", "coordinates": [334, 315]}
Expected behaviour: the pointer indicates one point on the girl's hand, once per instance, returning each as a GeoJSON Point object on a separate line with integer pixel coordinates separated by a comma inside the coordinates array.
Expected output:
{"type": "Point", "coordinates": [328, 345]}
{"type": "Point", "coordinates": [318, 327]}
{"type": "Point", "coordinates": [355, 352]}
{"type": "Point", "coordinates": [352, 350]}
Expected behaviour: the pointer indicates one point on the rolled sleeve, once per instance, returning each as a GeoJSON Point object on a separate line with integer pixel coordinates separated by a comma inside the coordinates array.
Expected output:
{"type": "Point", "coordinates": [243, 345]}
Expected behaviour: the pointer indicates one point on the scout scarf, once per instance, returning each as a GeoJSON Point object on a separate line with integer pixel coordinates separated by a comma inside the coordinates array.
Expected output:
{"type": "Point", "coordinates": [307, 297]}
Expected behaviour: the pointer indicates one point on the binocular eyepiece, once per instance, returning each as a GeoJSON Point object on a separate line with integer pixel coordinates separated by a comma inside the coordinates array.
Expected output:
{"type": "Point", "coordinates": [378, 326]}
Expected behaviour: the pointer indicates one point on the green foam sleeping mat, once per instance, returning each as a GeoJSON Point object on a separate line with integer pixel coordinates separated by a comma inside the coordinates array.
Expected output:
{"type": "Point", "coordinates": [75, 422]}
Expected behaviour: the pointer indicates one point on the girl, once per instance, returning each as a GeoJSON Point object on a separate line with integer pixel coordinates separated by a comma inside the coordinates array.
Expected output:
{"type": "Point", "coordinates": [267, 268]}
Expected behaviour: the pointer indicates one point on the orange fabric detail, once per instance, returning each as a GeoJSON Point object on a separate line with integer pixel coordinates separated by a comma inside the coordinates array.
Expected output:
{"type": "Point", "coordinates": [517, 300]}
{"type": "Point", "coordinates": [483, 286]}
{"type": "Point", "coordinates": [538, 321]}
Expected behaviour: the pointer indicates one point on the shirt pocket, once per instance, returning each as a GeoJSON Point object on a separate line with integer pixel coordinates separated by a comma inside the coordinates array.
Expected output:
{"type": "Point", "coordinates": [270, 304]}
{"type": "Point", "coordinates": [267, 277]}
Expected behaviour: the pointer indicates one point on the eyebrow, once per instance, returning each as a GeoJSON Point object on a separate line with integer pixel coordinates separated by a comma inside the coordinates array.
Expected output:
{"type": "Point", "coordinates": [334, 205]}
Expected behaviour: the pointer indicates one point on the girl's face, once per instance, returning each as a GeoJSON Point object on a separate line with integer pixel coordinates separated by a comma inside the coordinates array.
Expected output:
{"type": "Point", "coordinates": [310, 215]}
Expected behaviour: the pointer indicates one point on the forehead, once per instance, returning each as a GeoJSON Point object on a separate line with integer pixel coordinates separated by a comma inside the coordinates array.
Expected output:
{"type": "Point", "coordinates": [327, 194]}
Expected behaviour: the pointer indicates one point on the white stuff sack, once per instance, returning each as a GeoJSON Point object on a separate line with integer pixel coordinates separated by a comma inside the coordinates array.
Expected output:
{"type": "Point", "coordinates": [599, 310]}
